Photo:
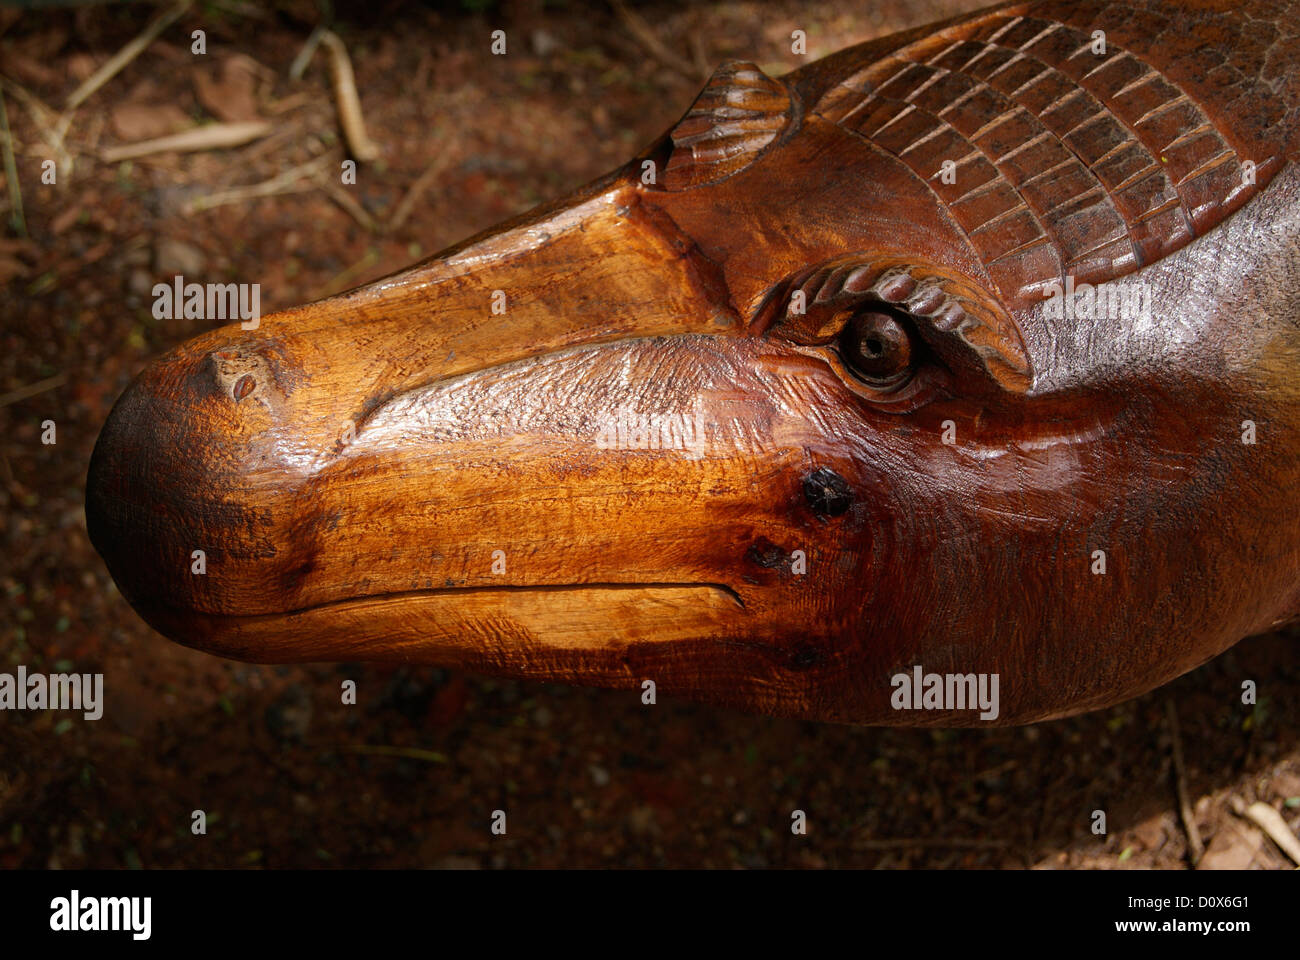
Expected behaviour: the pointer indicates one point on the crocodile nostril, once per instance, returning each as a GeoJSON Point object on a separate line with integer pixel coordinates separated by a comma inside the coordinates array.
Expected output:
{"type": "Point", "coordinates": [244, 386]}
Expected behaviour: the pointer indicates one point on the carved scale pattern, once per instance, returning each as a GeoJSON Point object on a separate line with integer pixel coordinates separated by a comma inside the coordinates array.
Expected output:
{"type": "Point", "coordinates": [740, 111]}
{"type": "Point", "coordinates": [1067, 162]}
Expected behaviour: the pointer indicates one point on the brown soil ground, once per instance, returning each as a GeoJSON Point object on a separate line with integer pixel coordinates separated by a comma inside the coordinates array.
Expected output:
{"type": "Point", "coordinates": [287, 775]}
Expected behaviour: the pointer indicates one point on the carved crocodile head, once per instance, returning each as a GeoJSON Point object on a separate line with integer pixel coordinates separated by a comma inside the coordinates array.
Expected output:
{"type": "Point", "coordinates": [823, 387]}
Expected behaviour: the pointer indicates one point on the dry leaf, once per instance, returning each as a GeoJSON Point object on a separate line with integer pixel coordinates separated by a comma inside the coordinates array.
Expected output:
{"type": "Point", "coordinates": [140, 121]}
{"type": "Point", "coordinates": [228, 91]}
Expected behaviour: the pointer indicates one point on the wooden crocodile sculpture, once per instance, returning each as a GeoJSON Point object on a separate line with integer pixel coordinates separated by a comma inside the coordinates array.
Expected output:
{"type": "Point", "coordinates": [965, 359]}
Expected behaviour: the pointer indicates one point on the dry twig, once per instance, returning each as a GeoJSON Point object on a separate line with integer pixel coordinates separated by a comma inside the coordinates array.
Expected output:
{"type": "Point", "coordinates": [293, 180]}
{"type": "Point", "coordinates": [343, 279]}
{"type": "Point", "coordinates": [115, 63]}
{"type": "Point", "coordinates": [11, 172]}
{"type": "Point", "coordinates": [299, 65]}
{"type": "Point", "coordinates": [347, 99]}
{"type": "Point", "coordinates": [1271, 822]}
{"type": "Point", "coordinates": [212, 136]}
{"type": "Point", "coordinates": [422, 183]}
{"type": "Point", "coordinates": [32, 389]}
{"type": "Point", "coordinates": [48, 124]}
{"type": "Point", "coordinates": [346, 201]}
{"type": "Point", "coordinates": [410, 753]}
{"type": "Point", "coordinates": [653, 45]}
{"type": "Point", "coordinates": [1194, 845]}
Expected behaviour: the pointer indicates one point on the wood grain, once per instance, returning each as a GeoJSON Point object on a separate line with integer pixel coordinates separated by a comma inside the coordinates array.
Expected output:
{"type": "Point", "coordinates": [624, 438]}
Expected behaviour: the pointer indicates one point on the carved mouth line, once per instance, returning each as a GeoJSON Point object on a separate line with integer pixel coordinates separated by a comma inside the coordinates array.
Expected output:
{"type": "Point", "coordinates": [477, 627]}
{"type": "Point", "coordinates": [401, 595]}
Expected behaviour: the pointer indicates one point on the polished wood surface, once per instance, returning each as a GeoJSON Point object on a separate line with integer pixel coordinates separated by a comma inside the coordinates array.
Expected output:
{"type": "Point", "coordinates": [786, 408]}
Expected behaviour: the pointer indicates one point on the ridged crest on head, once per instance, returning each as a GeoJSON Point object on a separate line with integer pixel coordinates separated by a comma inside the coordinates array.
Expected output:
{"type": "Point", "coordinates": [1064, 159]}
{"type": "Point", "coordinates": [740, 111]}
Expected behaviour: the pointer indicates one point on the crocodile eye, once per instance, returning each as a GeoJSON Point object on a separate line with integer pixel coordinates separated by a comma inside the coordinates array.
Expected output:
{"type": "Point", "coordinates": [876, 345]}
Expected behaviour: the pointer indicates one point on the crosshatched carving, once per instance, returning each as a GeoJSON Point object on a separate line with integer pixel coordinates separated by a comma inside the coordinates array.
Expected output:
{"type": "Point", "coordinates": [1065, 161]}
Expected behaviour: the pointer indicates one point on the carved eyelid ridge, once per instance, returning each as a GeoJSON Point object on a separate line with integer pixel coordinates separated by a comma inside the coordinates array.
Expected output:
{"type": "Point", "coordinates": [965, 325]}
